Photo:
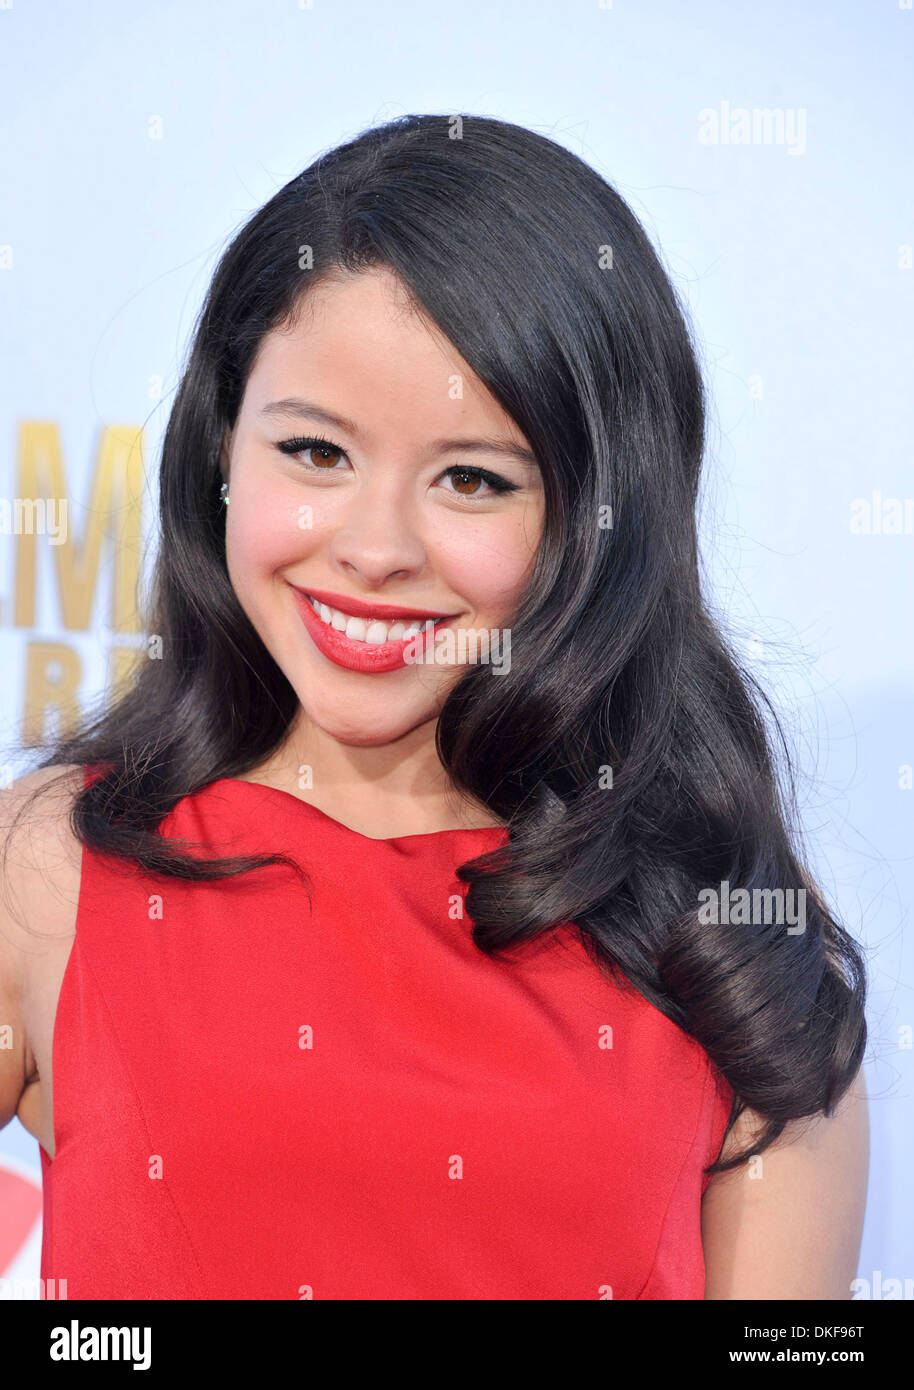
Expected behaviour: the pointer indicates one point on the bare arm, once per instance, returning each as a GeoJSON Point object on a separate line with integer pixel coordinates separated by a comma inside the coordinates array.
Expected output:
{"type": "Point", "coordinates": [788, 1225]}
{"type": "Point", "coordinates": [15, 1059]}
{"type": "Point", "coordinates": [13, 1063]}
{"type": "Point", "coordinates": [34, 849]}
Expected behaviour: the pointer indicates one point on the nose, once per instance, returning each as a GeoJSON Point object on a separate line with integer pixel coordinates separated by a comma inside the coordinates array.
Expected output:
{"type": "Point", "coordinates": [376, 537]}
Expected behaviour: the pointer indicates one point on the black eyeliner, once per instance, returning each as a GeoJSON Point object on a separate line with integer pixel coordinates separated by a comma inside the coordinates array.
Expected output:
{"type": "Point", "coordinates": [494, 480]}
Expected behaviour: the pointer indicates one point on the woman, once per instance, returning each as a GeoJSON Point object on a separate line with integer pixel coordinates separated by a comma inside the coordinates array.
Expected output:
{"type": "Point", "coordinates": [404, 963]}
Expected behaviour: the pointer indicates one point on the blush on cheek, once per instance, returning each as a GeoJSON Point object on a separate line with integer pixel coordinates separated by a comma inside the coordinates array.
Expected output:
{"type": "Point", "coordinates": [492, 584]}
{"type": "Point", "coordinates": [262, 539]}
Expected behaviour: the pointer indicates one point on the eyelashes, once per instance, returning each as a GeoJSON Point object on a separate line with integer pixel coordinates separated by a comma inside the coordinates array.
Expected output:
{"type": "Point", "coordinates": [498, 484]}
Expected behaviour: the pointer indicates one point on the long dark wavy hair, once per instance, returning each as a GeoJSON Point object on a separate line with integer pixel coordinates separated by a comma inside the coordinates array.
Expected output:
{"type": "Point", "coordinates": [542, 278]}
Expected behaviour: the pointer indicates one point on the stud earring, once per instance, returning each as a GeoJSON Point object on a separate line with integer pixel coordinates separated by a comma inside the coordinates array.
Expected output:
{"type": "Point", "coordinates": [223, 493]}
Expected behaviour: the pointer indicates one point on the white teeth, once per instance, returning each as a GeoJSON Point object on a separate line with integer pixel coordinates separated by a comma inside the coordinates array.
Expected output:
{"type": "Point", "coordinates": [372, 631]}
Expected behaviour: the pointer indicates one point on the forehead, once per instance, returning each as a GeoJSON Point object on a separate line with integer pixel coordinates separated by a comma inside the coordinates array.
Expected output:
{"type": "Point", "coordinates": [359, 347]}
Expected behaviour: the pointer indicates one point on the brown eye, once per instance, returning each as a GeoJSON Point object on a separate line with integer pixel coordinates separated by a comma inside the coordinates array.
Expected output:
{"type": "Point", "coordinates": [462, 476]}
{"type": "Point", "coordinates": [469, 482]}
{"type": "Point", "coordinates": [324, 454]}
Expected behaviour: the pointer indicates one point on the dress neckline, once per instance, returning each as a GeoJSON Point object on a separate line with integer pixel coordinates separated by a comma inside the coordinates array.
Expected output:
{"type": "Point", "coordinates": [348, 829]}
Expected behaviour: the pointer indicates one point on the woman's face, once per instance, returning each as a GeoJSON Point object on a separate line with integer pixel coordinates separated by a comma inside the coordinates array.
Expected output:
{"type": "Point", "coordinates": [384, 514]}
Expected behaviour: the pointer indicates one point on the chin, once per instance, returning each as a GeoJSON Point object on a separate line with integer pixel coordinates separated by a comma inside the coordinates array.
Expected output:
{"type": "Point", "coordinates": [364, 727]}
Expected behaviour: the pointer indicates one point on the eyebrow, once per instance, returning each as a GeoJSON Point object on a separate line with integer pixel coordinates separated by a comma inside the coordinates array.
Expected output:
{"type": "Point", "coordinates": [293, 405]}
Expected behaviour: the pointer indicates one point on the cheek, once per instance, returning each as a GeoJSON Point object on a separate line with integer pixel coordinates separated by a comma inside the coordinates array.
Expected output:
{"type": "Point", "coordinates": [488, 563]}
{"type": "Point", "coordinates": [267, 531]}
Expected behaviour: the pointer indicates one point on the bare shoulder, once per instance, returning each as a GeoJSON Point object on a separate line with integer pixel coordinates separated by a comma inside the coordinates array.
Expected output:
{"type": "Point", "coordinates": [40, 862]}
{"type": "Point", "coordinates": [788, 1224]}
{"type": "Point", "coordinates": [38, 849]}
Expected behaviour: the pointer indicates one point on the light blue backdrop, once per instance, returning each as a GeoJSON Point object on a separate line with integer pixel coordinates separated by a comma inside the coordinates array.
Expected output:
{"type": "Point", "coordinates": [135, 138]}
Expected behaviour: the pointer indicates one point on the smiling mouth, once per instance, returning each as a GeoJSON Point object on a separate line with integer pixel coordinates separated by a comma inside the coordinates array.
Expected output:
{"type": "Point", "coordinates": [366, 627]}
{"type": "Point", "coordinates": [372, 631]}
{"type": "Point", "coordinates": [367, 642]}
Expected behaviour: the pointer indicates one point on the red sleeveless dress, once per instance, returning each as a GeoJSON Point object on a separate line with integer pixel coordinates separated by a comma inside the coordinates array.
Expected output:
{"type": "Point", "coordinates": [260, 1098]}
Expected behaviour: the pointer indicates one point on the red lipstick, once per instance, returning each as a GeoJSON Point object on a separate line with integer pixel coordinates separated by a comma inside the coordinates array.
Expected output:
{"type": "Point", "coordinates": [367, 657]}
{"type": "Point", "coordinates": [361, 608]}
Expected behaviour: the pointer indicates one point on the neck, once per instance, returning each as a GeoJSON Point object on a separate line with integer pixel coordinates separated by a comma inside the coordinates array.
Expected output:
{"type": "Point", "coordinates": [389, 789]}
